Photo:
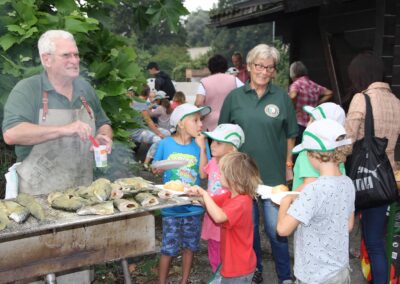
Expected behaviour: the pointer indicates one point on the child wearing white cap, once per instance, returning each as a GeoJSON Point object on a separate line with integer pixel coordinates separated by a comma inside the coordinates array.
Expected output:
{"type": "Point", "coordinates": [226, 138]}
{"type": "Point", "coordinates": [182, 224]}
{"type": "Point", "coordinates": [303, 171]}
{"type": "Point", "coordinates": [162, 110]}
{"type": "Point", "coordinates": [323, 213]}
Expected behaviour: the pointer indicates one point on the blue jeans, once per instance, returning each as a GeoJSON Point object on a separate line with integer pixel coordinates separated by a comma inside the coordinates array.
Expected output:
{"type": "Point", "coordinates": [279, 245]}
{"type": "Point", "coordinates": [373, 229]}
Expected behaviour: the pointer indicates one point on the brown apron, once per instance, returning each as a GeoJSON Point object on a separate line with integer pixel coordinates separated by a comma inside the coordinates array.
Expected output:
{"type": "Point", "coordinates": [60, 163]}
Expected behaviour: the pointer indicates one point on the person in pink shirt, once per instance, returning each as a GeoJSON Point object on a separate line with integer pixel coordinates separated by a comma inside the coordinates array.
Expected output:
{"type": "Point", "coordinates": [226, 138]}
{"type": "Point", "coordinates": [179, 98]}
{"type": "Point", "coordinates": [213, 90]}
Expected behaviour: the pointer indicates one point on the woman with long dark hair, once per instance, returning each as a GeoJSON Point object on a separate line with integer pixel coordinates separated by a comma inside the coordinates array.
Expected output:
{"type": "Point", "coordinates": [366, 75]}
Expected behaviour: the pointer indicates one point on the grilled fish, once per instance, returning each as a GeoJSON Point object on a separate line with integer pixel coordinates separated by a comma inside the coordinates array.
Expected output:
{"type": "Point", "coordinates": [68, 203]}
{"type": "Point", "coordinates": [104, 208]}
{"type": "Point", "coordinates": [101, 189]}
{"type": "Point", "coordinates": [124, 205]}
{"type": "Point", "coordinates": [31, 203]}
{"type": "Point", "coordinates": [134, 183]}
{"type": "Point", "coordinates": [53, 195]}
{"type": "Point", "coordinates": [16, 212]}
{"type": "Point", "coordinates": [116, 191]}
{"type": "Point", "coordinates": [146, 199]}
{"type": "Point", "coordinates": [4, 221]}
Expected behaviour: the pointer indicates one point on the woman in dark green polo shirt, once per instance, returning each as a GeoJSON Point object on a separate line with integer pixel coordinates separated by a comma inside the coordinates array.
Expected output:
{"type": "Point", "coordinates": [266, 114]}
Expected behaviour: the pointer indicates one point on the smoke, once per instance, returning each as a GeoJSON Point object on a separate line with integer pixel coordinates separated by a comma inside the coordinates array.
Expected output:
{"type": "Point", "coordinates": [120, 163]}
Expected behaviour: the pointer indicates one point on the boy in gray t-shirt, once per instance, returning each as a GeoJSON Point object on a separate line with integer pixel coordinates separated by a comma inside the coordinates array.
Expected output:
{"type": "Point", "coordinates": [323, 213]}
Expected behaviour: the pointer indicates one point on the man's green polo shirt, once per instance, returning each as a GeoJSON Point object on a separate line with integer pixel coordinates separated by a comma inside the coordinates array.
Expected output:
{"type": "Point", "coordinates": [267, 123]}
{"type": "Point", "coordinates": [25, 102]}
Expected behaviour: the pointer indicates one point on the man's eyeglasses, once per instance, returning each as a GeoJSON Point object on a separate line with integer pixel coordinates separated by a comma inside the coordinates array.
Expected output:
{"type": "Point", "coordinates": [67, 56]}
{"type": "Point", "coordinates": [260, 67]}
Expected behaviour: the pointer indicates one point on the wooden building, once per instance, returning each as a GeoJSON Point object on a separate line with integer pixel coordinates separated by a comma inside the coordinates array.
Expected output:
{"type": "Point", "coordinates": [327, 34]}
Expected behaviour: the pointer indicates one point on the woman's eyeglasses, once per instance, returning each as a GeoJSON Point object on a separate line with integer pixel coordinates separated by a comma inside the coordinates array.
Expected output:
{"type": "Point", "coordinates": [260, 67]}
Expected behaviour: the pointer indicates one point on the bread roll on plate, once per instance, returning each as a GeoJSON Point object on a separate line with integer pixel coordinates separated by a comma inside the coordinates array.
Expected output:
{"type": "Point", "coordinates": [279, 188]}
{"type": "Point", "coordinates": [175, 185]}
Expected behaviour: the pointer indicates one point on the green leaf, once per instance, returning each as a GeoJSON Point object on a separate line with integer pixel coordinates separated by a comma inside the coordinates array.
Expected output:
{"type": "Point", "coordinates": [9, 67]}
{"type": "Point", "coordinates": [78, 26]}
{"type": "Point", "coordinates": [101, 69]}
{"type": "Point", "coordinates": [24, 58]}
{"type": "Point", "coordinates": [47, 20]}
{"type": "Point", "coordinates": [26, 10]}
{"type": "Point", "coordinates": [16, 28]}
{"type": "Point", "coordinates": [114, 52]}
{"type": "Point", "coordinates": [30, 71]}
{"type": "Point", "coordinates": [141, 19]}
{"type": "Point", "coordinates": [170, 10]}
{"type": "Point", "coordinates": [2, 2]}
{"type": "Point", "coordinates": [130, 69]}
{"type": "Point", "coordinates": [28, 34]}
{"type": "Point", "coordinates": [101, 94]}
{"type": "Point", "coordinates": [7, 41]}
{"type": "Point", "coordinates": [65, 6]}
{"type": "Point", "coordinates": [123, 133]}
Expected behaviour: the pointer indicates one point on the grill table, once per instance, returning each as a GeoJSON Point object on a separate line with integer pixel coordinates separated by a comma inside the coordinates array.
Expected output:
{"type": "Point", "coordinates": [66, 240]}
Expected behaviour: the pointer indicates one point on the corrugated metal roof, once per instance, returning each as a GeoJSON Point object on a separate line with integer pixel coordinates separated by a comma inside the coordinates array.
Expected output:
{"type": "Point", "coordinates": [244, 10]}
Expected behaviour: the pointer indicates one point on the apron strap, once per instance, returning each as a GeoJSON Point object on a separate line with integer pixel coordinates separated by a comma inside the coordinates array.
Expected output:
{"type": "Point", "coordinates": [45, 101]}
{"type": "Point", "coordinates": [84, 102]}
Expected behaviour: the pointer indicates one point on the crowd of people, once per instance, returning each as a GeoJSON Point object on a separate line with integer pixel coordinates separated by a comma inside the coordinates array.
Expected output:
{"type": "Point", "coordinates": [254, 142]}
{"type": "Point", "coordinates": [240, 133]}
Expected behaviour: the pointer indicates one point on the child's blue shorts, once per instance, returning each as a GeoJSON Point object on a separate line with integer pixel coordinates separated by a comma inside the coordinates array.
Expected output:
{"type": "Point", "coordinates": [180, 231]}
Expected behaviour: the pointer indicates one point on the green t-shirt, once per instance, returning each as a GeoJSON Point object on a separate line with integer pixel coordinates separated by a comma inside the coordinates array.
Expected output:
{"type": "Point", "coordinates": [25, 102]}
{"type": "Point", "coordinates": [267, 123]}
{"type": "Point", "coordinates": [303, 169]}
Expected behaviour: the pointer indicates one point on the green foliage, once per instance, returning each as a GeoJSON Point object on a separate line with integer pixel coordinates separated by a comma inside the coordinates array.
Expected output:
{"type": "Point", "coordinates": [241, 39]}
{"type": "Point", "coordinates": [160, 34]}
{"type": "Point", "coordinates": [198, 31]}
{"type": "Point", "coordinates": [172, 59]}
{"type": "Point", "coordinates": [157, 24]}
{"type": "Point", "coordinates": [226, 41]}
{"type": "Point", "coordinates": [282, 77]}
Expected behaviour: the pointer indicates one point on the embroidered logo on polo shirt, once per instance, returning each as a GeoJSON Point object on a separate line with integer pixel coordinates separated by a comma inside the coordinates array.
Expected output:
{"type": "Point", "coordinates": [272, 110]}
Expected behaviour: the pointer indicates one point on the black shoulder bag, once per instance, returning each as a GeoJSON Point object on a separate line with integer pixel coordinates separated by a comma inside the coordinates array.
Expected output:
{"type": "Point", "coordinates": [370, 169]}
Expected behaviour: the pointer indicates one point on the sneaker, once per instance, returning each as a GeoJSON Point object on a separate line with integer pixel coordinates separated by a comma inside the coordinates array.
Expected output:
{"type": "Point", "coordinates": [287, 281]}
{"type": "Point", "coordinates": [257, 277]}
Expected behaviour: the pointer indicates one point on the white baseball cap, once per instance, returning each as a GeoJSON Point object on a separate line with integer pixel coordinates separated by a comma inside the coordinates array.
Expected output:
{"type": "Point", "coordinates": [327, 110]}
{"type": "Point", "coordinates": [160, 95]}
{"type": "Point", "coordinates": [183, 110]}
{"type": "Point", "coordinates": [321, 136]}
{"type": "Point", "coordinates": [232, 71]}
{"type": "Point", "coordinates": [227, 133]}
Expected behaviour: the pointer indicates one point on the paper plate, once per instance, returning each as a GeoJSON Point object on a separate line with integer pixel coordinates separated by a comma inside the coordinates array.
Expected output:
{"type": "Point", "coordinates": [264, 191]}
{"type": "Point", "coordinates": [174, 192]}
{"type": "Point", "coordinates": [277, 197]}
{"type": "Point", "coordinates": [168, 164]}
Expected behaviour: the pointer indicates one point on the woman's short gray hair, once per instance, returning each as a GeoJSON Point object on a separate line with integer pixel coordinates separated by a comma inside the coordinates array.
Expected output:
{"type": "Point", "coordinates": [297, 69]}
{"type": "Point", "coordinates": [263, 51]}
{"type": "Point", "coordinates": [46, 43]}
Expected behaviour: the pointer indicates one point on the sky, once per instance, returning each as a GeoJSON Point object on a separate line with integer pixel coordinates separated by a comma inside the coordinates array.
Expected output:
{"type": "Point", "coordinates": [193, 5]}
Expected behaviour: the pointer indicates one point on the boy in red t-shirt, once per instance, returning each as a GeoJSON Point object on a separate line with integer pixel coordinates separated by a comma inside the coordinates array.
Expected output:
{"type": "Point", "coordinates": [233, 210]}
